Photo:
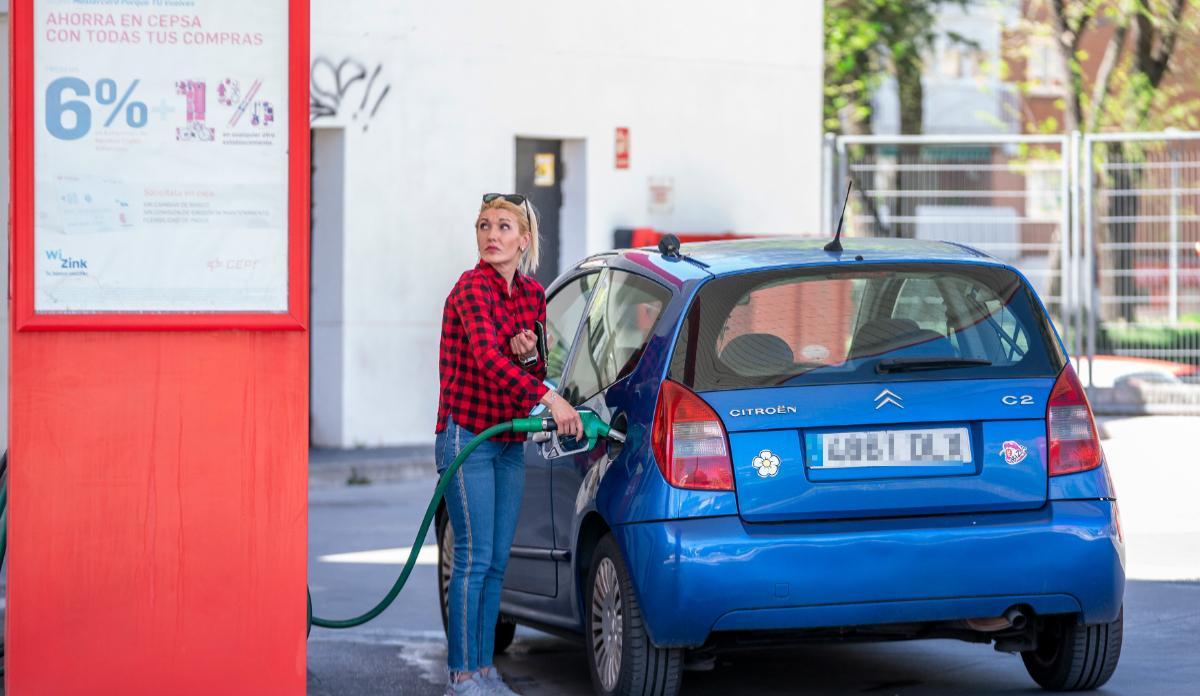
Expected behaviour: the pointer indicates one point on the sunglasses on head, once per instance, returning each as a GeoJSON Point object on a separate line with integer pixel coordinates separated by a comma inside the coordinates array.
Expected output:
{"type": "Point", "coordinates": [514, 198]}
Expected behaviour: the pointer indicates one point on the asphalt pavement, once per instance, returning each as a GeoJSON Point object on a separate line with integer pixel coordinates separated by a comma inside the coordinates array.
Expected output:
{"type": "Point", "coordinates": [353, 558]}
{"type": "Point", "coordinates": [359, 534]}
{"type": "Point", "coordinates": [1159, 657]}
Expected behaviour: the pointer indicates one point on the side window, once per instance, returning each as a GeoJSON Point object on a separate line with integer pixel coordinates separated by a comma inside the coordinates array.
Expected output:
{"type": "Point", "coordinates": [563, 312]}
{"type": "Point", "coordinates": [1014, 342]}
{"type": "Point", "coordinates": [624, 309]}
{"type": "Point", "coordinates": [977, 322]}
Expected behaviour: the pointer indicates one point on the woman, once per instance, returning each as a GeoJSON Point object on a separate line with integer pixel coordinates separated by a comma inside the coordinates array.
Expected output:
{"type": "Point", "coordinates": [490, 372]}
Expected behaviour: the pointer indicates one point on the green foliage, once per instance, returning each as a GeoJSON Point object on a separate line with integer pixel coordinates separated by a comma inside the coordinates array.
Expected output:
{"type": "Point", "coordinates": [868, 40]}
{"type": "Point", "coordinates": [1127, 92]}
{"type": "Point", "coordinates": [1114, 338]}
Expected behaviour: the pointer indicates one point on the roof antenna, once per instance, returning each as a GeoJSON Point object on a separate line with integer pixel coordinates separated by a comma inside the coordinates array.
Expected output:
{"type": "Point", "coordinates": [836, 244]}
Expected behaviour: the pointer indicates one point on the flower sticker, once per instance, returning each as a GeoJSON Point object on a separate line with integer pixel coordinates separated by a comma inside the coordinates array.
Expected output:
{"type": "Point", "coordinates": [1013, 451]}
{"type": "Point", "coordinates": [766, 463]}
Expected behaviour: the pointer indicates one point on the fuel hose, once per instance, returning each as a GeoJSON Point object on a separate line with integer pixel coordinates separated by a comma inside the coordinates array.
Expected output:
{"type": "Point", "coordinates": [593, 429]}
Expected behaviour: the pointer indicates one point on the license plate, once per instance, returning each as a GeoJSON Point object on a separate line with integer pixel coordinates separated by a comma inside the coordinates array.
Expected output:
{"type": "Point", "coordinates": [926, 447]}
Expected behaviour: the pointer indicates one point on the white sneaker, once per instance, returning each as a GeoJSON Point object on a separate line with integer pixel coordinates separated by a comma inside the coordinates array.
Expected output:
{"type": "Point", "coordinates": [494, 683]}
{"type": "Point", "coordinates": [467, 687]}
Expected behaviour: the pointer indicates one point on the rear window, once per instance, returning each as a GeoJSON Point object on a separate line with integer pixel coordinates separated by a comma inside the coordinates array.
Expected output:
{"type": "Point", "coordinates": [863, 324]}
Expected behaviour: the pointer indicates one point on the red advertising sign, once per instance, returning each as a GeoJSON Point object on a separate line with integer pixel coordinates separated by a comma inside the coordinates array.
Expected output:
{"type": "Point", "coordinates": [160, 165]}
{"type": "Point", "coordinates": [622, 147]}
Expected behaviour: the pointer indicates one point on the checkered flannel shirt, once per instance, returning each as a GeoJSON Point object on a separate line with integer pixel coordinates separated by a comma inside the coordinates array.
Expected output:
{"type": "Point", "coordinates": [482, 381]}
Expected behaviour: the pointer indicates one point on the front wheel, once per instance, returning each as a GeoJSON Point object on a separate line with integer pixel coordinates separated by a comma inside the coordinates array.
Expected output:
{"type": "Point", "coordinates": [621, 658]}
{"type": "Point", "coordinates": [506, 630]}
{"type": "Point", "coordinates": [1074, 657]}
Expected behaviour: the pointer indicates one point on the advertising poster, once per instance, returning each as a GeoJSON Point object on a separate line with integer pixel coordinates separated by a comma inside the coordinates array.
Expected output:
{"type": "Point", "coordinates": [161, 156]}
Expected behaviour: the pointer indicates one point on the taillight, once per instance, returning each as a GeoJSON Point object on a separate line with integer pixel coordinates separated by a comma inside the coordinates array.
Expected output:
{"type": "Point", "coordinates": [689, 441]}
{"type": "Point", "coordinates": [1070, 429]}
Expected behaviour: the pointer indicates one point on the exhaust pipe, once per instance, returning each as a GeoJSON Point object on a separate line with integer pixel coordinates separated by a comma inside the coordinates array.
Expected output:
{"type": "Point", "coordinates": [1017, 618]}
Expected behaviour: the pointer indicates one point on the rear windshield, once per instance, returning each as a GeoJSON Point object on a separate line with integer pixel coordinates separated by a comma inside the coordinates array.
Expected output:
{"type": "Point", "coordinates": [863, 324]}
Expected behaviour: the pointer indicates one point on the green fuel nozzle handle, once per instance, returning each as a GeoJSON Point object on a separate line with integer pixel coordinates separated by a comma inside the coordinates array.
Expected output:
{"type": "Point", "coordinates": [533, 424]}
{"type": "Point", "coordinates": [594, 427]}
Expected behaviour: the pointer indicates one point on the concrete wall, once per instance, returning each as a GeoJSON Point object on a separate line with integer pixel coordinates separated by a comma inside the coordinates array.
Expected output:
{"type": "Point", "coordinates": [723, 98]}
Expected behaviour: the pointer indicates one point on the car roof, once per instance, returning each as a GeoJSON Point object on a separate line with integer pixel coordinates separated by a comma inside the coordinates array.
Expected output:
{"type": "Point", "coordinates": [764, 253]}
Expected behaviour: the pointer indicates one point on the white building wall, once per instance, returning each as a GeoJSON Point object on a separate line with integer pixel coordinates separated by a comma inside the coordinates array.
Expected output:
{"type": "Point", "coordinates": [724, 98]}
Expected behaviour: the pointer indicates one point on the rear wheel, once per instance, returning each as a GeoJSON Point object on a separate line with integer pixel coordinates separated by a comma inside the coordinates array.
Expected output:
{"type": "Point", "coordinates": [506, 630]}
{"type": "Point", "coordinates": [1074, 657]}
{"type": "Point", "coordinates": [621, 658]}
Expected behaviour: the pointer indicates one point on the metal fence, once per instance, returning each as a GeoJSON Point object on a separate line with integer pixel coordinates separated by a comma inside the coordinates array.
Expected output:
{"type": "Point", "coordinates": [1106, 226]}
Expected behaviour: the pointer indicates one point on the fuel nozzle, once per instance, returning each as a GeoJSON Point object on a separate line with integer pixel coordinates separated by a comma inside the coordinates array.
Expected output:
{"type": "Point", "coordinates": [594, 427]}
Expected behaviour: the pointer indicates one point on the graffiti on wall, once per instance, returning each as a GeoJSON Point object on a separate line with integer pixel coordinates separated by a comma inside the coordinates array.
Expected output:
{"type": "Point", "coordinates": [345, 89]}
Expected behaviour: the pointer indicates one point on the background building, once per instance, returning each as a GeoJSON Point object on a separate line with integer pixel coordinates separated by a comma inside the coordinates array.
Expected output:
{"type": "Point", "coordinates": [419, 108]}
{"type": "Point", "coordinates": [965, 89]}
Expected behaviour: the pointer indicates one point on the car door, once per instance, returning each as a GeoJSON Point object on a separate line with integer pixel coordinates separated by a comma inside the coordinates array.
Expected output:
{"type": "Point", "coordinates": [531, 566]}
{"type": "Point", "coordinates": [621, 317]}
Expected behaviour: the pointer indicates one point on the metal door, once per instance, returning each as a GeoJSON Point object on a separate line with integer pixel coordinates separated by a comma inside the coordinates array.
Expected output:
{"type": "Point", "coordinates": [539, 174]}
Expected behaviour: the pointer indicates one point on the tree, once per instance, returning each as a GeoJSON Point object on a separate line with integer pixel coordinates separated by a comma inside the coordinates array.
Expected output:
{"type": "Point", "coordinates": [850, 75]}
{"type": "Point", "coordinates": [869, 40]}
{"type": "Point", "coordinates": [1128, 92]}
{"type": "Point", "coordinates": [1129, 81]}
{"type": "Point", "coordinates": [1128, 89]}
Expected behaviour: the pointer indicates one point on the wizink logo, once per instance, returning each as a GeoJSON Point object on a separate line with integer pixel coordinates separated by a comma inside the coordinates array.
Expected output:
{"type": "Point", "coordinates": [66, 263]}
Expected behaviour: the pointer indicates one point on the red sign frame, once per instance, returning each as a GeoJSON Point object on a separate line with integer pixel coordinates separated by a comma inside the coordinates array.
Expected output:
{"type": "Point", "coordinates": [21, 241]}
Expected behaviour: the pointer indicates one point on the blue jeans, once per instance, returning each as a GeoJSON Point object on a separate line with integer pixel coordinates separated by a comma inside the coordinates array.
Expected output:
{"type": "Point", "coordinates": [483, 502]}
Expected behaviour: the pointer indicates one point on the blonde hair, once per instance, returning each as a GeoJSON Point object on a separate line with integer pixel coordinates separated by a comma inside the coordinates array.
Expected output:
{"type": "Point", "coordinates": [527, 223]}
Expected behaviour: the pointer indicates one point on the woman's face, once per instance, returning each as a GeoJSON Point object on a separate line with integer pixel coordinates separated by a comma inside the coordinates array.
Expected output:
{"type": "Point", "coordinates": [499, 236]}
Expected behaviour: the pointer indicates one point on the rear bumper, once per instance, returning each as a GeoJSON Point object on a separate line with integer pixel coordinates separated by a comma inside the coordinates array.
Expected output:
{"type": "Point", "coordinates": [695, 576]}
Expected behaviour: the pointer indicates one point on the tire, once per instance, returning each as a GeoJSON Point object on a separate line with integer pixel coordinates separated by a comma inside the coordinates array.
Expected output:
{"type": "Point", "coordinates": [1075, 657]}
{"type": "Point", "coordinates": [621, 658]}
{"type": "Point", "coordinates": [505, 629]}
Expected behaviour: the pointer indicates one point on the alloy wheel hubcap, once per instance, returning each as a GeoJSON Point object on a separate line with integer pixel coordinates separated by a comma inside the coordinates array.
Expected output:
{"type": "Point", "coordinates": [607, 624]}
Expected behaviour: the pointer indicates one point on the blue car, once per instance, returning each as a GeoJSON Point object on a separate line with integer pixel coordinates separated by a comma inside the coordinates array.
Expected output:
{"type": "Point", "coordinates": [883, 443]}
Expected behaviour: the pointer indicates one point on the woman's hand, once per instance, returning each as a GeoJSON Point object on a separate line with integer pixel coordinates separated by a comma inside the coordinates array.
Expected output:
{"type": "Point", "coordinates": [523, 344]}
{"type": "Point", "coordinates": [566, 418]}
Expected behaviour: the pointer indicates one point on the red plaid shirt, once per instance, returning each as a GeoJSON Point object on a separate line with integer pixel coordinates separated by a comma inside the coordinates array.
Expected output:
{"type": "Point", "coordinates": [483, 382]}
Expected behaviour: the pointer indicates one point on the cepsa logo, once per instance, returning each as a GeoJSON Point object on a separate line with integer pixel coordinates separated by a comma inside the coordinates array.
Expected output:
{"type": "Point", "coordinates": [233, 264]}
{"type": "Point", "coordinates": [61, 264]}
